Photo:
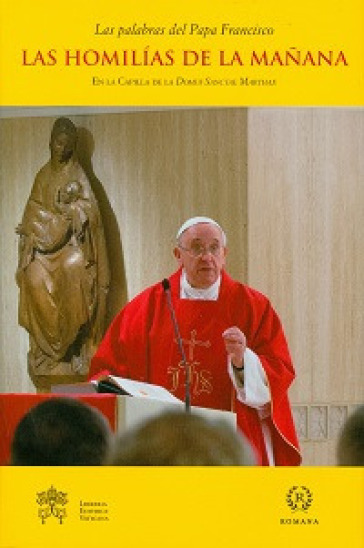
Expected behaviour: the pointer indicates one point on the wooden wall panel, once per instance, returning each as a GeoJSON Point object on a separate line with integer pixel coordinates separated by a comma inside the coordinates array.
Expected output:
{"type": "Point", "coordinates": [305, 236]}
{"type": "Point", "coordinates": [150, 171]}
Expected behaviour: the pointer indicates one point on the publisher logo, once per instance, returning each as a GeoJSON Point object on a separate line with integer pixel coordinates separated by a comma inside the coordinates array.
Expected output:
{"type": "Point", "coordinates": [52, 504]}
{"type": "Point", "coordinates": [299, 498]}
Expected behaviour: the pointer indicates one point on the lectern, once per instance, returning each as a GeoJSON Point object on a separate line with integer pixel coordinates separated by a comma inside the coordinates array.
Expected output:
{"type": "Point", "coordinates": [140, 405]}
{"type": "Point", "coordinates": [131, 411]}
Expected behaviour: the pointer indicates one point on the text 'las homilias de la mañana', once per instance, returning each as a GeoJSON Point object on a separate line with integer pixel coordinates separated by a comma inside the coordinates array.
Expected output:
{"type": "Point", "coordinates": [187, 58]}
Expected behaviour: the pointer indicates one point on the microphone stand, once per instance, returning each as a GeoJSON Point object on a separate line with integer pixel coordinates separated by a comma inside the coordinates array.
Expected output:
{"type": "Point", "coordinates": [167, 289]}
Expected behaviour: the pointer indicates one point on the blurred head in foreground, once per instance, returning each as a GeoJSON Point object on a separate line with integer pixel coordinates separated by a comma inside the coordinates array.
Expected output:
{"type": "Point", "coordinates": [181, 439]}
{"type": "Point", "coordinates": [350, 448]}
{"type": "Point", "coordinates": [61, 432]}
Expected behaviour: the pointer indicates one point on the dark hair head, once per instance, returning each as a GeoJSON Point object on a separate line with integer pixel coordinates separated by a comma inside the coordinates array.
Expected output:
{"type": "Point", "coordinates": [61, 432]}
{"type": "Point", "coordinates": [181, 439]}
{"type": "Point", "coordinates": [350, 448]}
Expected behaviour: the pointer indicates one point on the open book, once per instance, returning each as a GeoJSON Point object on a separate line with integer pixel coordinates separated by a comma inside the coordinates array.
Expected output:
{"type": "Point", "coordinates": [128, 387]}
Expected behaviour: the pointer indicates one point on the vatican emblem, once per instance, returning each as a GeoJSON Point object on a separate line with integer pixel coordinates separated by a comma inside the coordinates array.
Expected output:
{"type": "Point", "coordinates": [52, 503]}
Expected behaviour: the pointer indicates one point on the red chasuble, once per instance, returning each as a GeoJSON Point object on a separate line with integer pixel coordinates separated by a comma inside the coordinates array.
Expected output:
{"type": "Point", "coordinates": [140, 344]}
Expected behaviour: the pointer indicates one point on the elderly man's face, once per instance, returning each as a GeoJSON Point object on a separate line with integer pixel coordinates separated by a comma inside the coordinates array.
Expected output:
{"type": "Point", "coordinates": [202, 254]}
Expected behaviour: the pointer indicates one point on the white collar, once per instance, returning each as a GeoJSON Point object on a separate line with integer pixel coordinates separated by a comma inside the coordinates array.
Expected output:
{"type": "Point", "coordinates": [189, 292]}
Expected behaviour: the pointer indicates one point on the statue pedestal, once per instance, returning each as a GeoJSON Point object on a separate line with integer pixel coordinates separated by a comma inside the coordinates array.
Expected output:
{"type": "Point", "coordinates": [44, 383]}
{"type": "Point", "coordinates": [47, 373]}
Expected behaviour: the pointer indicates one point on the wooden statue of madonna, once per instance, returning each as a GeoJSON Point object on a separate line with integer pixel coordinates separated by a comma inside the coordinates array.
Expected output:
{"type": "Point", "coordinates": [63, 273]}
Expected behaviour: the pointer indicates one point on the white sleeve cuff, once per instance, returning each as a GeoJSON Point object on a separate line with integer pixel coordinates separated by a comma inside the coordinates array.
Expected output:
{"type": "Point", "coordinates": [255, 390]}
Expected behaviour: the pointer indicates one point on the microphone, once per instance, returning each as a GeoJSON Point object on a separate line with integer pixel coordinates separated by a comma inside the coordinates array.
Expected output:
{"type": "Point", "coordinates": [167, 290]}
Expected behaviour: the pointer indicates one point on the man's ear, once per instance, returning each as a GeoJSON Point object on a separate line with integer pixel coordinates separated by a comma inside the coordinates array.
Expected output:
{"type": "Point", "coordinates": [177, 254]}
{"type": "Point", "coordinates": [225, 253]}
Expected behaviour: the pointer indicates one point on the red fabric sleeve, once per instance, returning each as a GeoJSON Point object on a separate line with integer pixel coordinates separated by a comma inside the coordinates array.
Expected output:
{"type": "Point", "coordinates": [265, 336]}
{"type": "Point", "coordinates": [275, 357]}
{"type": "Point", "coordinates": [124, 350]}
{"type": "Point", "coordinates": [110, 357]}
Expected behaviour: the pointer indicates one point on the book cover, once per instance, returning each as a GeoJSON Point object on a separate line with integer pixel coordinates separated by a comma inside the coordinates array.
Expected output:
{"type": "Point", "coordinates": [248, 113]}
